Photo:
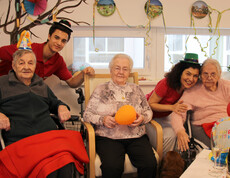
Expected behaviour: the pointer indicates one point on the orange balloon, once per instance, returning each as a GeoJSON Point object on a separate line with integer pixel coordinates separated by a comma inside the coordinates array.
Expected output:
{"type": "Point", "coordinates": [125, 115]}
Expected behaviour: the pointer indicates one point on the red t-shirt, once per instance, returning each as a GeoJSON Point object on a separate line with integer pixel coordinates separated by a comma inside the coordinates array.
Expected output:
{"type": "Point", "coordinates": [55, 65]}
{"type": "Point", "coordinates": [168, 95]}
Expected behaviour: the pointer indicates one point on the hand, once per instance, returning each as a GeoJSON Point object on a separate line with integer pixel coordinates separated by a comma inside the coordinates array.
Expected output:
{"type": "Point", "coordinates": [63, 113]}
{"type": "Point", "coordinates": [182, 140]}
{"type": "Point", "coordinates": [109, 122]}
{"type": "Point", "coordinates": [4, 122]}
{"type": "Point", "coordinates": [179, 107]}
{"type": "Point", "coordinates": [138, 121]}
{"type": "Point", "coordinates": [89, 70]}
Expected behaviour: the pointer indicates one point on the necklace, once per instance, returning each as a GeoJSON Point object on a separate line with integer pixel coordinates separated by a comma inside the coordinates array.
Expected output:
{"type": "Point", "coordinates": [122, 95]}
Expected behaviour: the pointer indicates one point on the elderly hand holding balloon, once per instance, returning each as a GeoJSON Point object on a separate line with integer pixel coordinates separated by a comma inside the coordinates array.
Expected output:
{"type": "Point", "coordinates": [109, 122]}
{"type": "Point", "coordinates": [138, 121]}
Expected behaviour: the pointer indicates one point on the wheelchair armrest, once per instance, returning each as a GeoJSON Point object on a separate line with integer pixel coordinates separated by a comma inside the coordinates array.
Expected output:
{"type": "Point", "coordinates": [2, 141]}
{"type": "Point", "coordinates": [155, 134]}
{"type": "Point", "coordinates": [57, 122]}
{"type": "Point", "coordinates": [187, 124]}
{"type": "Point", "coordinates": [90, 147]}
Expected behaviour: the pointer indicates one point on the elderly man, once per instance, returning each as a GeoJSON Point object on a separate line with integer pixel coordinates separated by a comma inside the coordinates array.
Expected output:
{"type": "Point", "coordinates": [25, 106]}
{"type": "Point", "coordinates": [30, 99]}
{"type": "Point", "coordinates": [112, 139]}
{"type": "Point", "coordinates": [208, 100]}
{"type": "Point", "coordinates": [49, 61]}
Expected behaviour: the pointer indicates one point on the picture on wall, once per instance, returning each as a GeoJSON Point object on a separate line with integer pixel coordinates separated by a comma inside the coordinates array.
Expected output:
{"type": "Point", "coordinates": [199, 9]}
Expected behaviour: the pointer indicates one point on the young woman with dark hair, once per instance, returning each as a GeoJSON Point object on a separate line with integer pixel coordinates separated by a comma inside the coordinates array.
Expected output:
{"type": "Point", "coordinates": [163, 99]}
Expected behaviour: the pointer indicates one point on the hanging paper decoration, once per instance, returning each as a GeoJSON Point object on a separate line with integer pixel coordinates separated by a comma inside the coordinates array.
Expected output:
{"type": "Point", "coordinates": [106, 7]}
{"type": "Point", "coordinates": [199, 9]}
{"type": "Point", "coordinates": [18, 10]}
{"type": "Point", "coordinates": [153, 8]}
{"type": "Point", "coordinates": [35, 8]}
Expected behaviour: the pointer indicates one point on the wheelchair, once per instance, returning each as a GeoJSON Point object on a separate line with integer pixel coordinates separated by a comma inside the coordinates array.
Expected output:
{"type": "Point", "coordinates": [74, 123]}
{"type": "Point", "coordinates": [195, 146]}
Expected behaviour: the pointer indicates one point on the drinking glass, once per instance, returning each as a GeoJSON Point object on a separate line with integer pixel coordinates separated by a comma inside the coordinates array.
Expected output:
{"type": "Point", "coordinates": [217, 147]}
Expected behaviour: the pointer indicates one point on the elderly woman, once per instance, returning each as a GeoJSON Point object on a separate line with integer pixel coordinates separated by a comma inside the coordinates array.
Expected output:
{"type": "Point", "coordinates": [208, 100]}
{"type": "Point", "coordinates": [114, 140]}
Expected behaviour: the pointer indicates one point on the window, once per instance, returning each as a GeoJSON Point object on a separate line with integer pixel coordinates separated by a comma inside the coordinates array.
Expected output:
{"type": "Point", "coordinates": [97, 52]}
{"type": "Point", "coordinates": [151, 61]}
{"type": "Point", "coordinates": [213, 46]}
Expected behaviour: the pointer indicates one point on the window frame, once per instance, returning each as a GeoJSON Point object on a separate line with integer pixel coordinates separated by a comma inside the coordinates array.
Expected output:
{"type": "Point", "coordinates": [83, 31]}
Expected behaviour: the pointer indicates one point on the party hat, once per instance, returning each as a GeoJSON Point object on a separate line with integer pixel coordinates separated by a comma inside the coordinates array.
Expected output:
{"type": "Point", "coordinates": [24, 41]}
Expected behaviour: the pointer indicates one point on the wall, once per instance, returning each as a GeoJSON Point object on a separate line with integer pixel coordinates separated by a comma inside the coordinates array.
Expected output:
{"type": "Point", "coordinates": [176, 14]}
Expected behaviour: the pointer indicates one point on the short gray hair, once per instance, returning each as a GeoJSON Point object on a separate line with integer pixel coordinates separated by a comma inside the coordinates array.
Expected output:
{"type": "Point", "coordinates": [19, 53]}
{"type": "Point", "coordinates": [214, 62]}
{"type": "Point", "coordinates": [111, 63]}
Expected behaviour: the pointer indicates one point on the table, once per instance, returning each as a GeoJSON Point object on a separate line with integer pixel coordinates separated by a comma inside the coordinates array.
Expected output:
{"type": "Point", "coordinates": [200, 167]}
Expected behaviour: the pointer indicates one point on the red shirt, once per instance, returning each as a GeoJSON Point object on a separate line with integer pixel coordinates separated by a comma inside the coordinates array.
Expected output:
{"type": "Point", "coordinates": [55, 65]}
{"type": "Point", "coordinates": [168, 95]}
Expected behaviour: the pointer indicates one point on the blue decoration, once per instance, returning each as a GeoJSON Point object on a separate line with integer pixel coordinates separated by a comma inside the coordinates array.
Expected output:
{"type": "Point", "coordinates": [221, 159]}
{"type": "Point", "coordinates": [106, 7]}
{"type": "Point", "coordinates": [106, 2]}
{"type": "Point", "coordinates": [79, 66]}
{"type": "Point", "coordinates": [155, 2]}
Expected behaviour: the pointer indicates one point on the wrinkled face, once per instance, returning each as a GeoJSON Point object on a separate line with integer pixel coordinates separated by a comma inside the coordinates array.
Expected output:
{"type": "Point", "coordinates": [120, 71]}
{"type": "Point", "coordinates": [24, 67]}
{"type": "Point", "coordinates": [57, 40]}
{"type": "Point", "coordinates": [210, 77]}
{"type": "Point", "coordinates": [189, 77]}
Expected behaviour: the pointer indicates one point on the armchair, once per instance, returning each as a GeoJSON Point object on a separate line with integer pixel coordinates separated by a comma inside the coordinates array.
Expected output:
{"type": "Point", "coordinates": [153, 129]}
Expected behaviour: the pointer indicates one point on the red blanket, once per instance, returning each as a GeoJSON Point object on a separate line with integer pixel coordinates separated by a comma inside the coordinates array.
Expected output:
{"type": "Point", "coordinates": [41, 154]}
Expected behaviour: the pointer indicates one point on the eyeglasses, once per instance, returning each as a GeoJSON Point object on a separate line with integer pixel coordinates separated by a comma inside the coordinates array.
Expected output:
{"type": "Point", "coordinates": [206, 75]}
{"type": "Point", "coordinates": [118, 69]}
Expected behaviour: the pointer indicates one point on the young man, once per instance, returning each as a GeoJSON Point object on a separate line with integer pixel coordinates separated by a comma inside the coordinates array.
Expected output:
{"type": "Point", "coordinates": [49, 61]}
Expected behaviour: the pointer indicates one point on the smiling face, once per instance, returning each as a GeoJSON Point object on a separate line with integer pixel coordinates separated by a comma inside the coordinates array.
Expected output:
{"type": "Point", "coordinates": [189, 78]}
{"type": "Point", "coordinates": [57, 41]}
{"type": "Point", "coordinates": [120, 70]}
{"type": "Point", "coordinates": [24, 67]}
{"type": "Point", "coordinates": [210, 77]}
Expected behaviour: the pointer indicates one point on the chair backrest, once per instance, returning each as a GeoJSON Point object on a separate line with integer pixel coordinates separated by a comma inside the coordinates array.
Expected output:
{"type": "Point", "coordinates": [91, 81]}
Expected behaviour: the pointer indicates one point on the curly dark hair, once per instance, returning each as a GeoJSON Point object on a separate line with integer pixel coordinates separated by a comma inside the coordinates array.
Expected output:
{"type": "Point", "coordinates": [174, 76]}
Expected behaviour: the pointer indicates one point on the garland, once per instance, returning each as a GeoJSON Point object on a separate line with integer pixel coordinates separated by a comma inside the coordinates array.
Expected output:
{"type": "Point", "coordinates": [215, 32]}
